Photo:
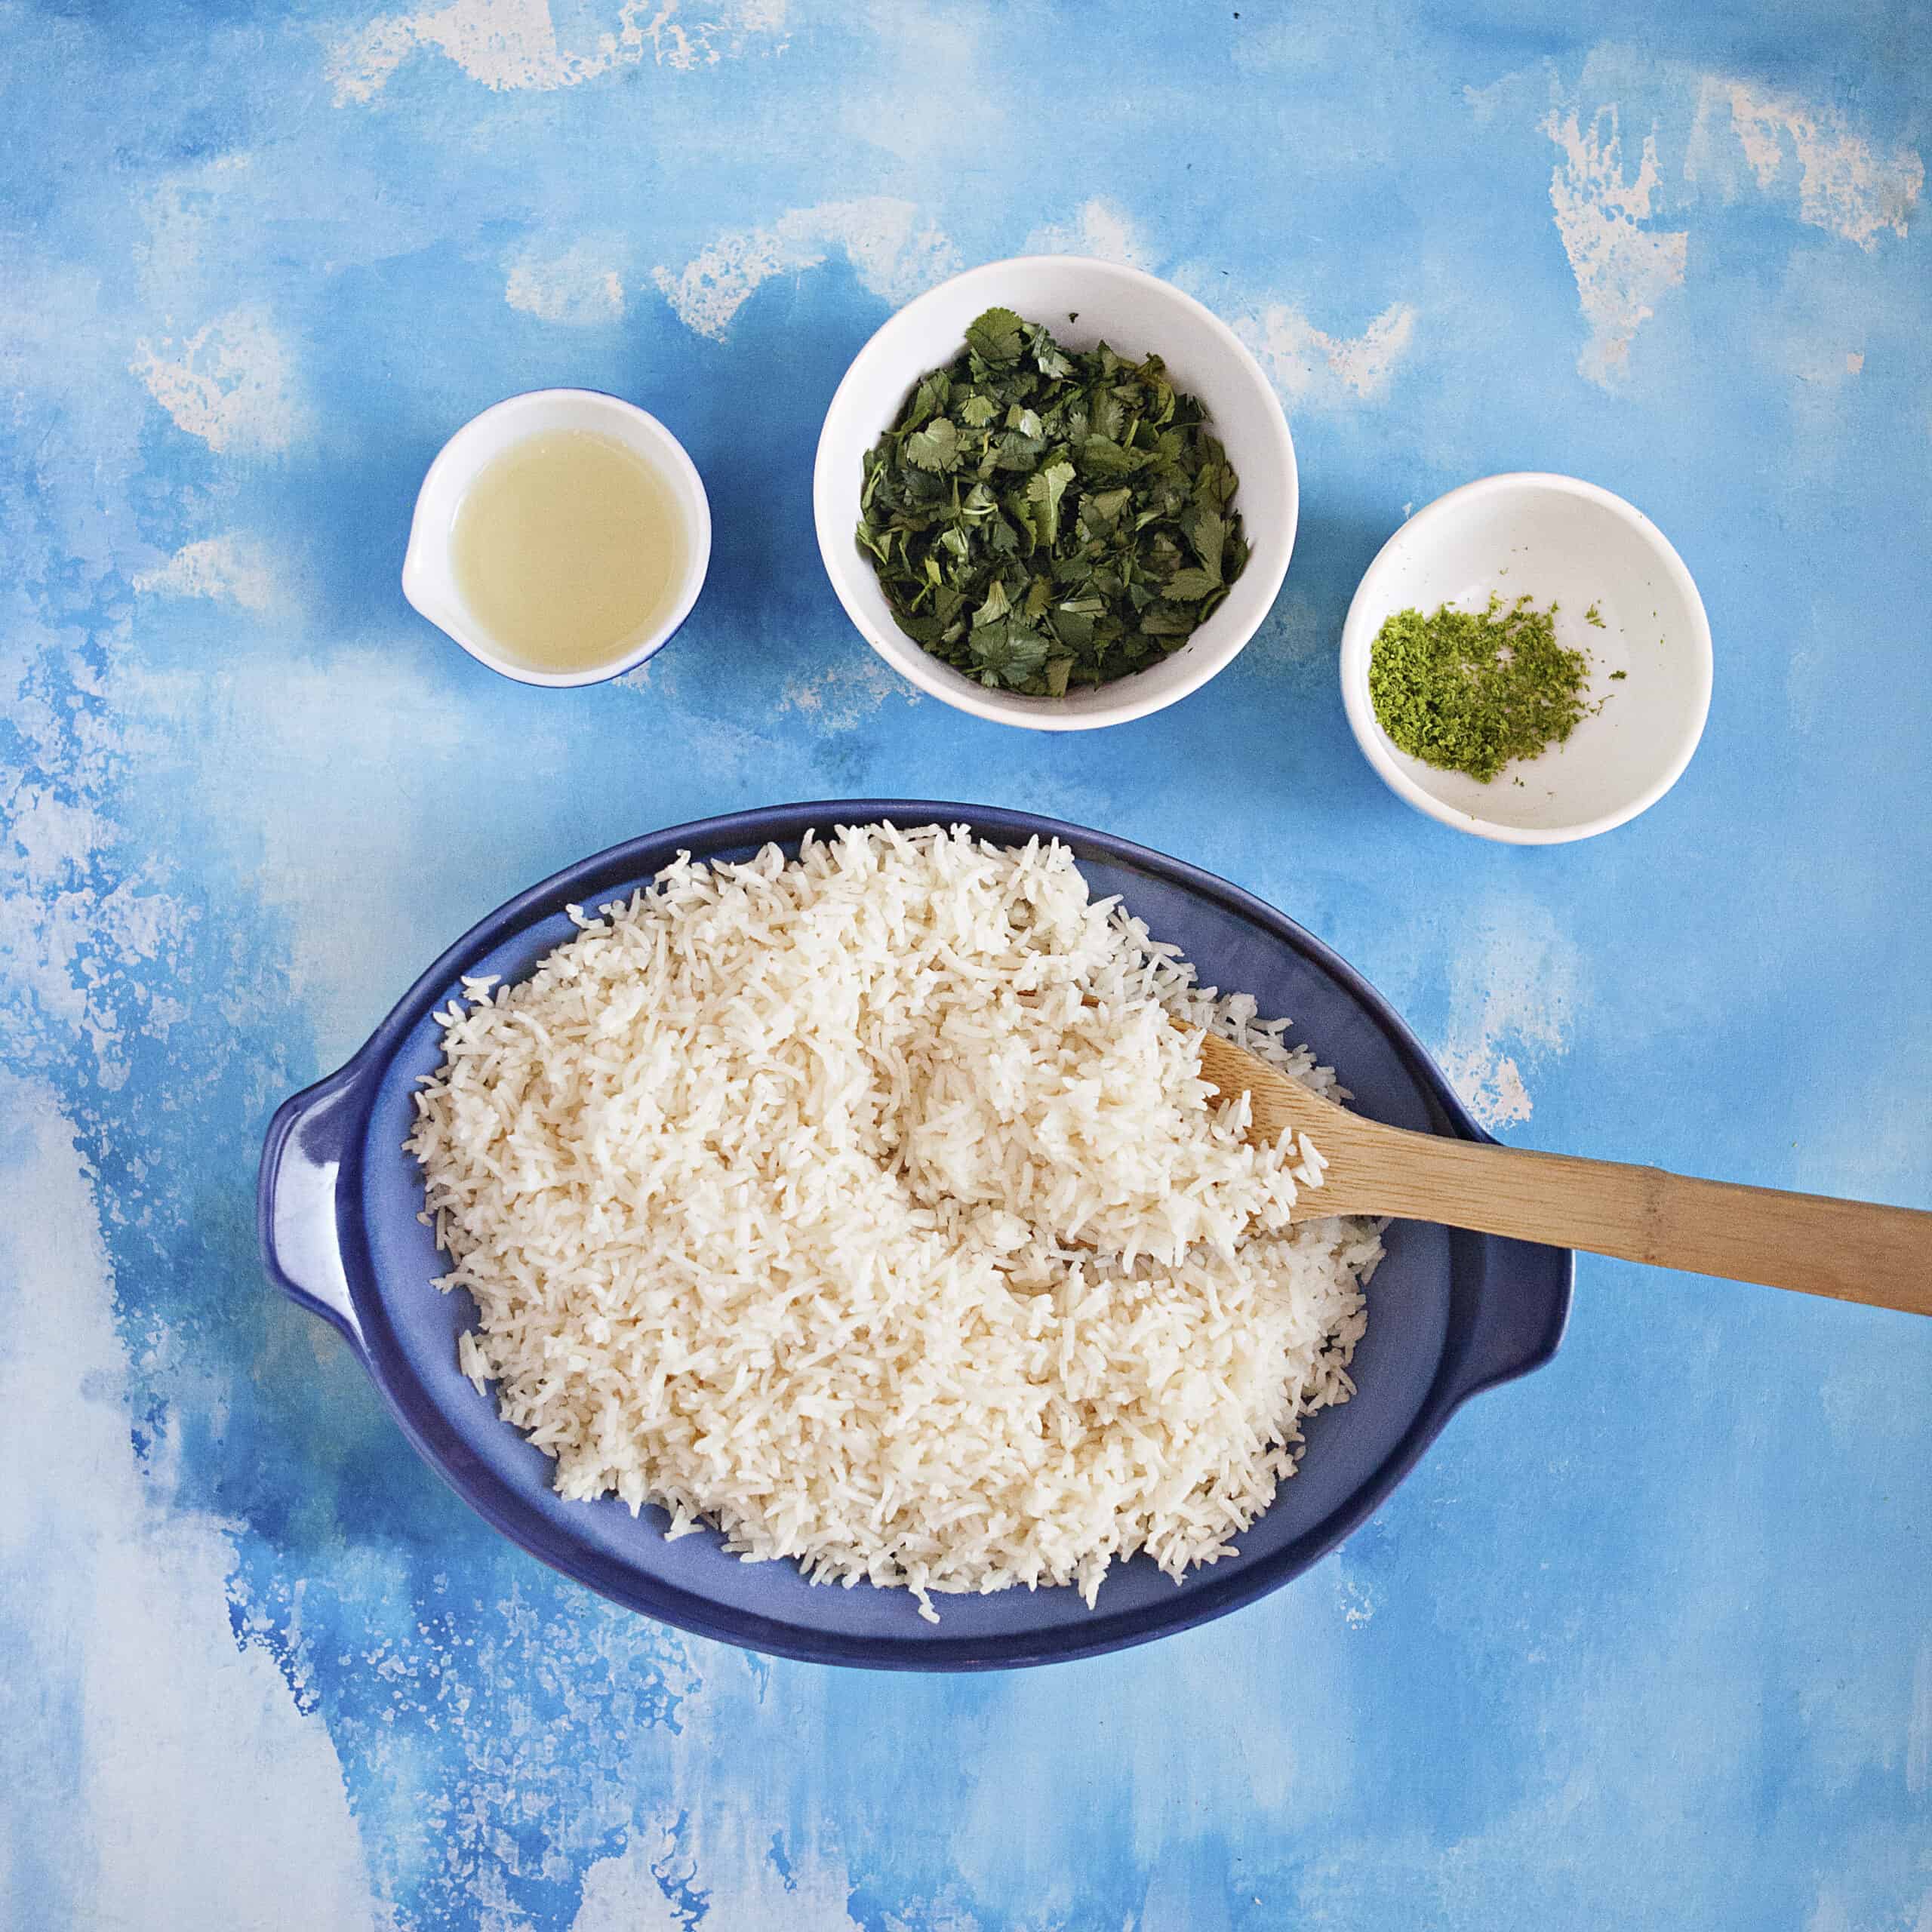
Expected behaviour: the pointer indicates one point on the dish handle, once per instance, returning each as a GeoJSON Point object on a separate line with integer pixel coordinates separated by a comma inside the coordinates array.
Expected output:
{"type": "Point", "coordinates": [1520, 1315]}
{"type": "Point", "coordinates": [296, 1199]}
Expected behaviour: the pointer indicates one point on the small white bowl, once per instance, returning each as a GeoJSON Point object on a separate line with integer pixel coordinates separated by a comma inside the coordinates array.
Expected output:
{"type": "Point", "coordinates": [428, 577]}
{"type": "Point", "coordinates": [1570, 543]}
{"type": "Point", "coordinates": [1137, 313]}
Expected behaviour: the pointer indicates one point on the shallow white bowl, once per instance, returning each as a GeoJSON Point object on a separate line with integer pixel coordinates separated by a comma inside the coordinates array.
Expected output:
{"type": "Point", "coordinates": [1570, 543]}
{"type": "Point", "coordinates": [1137, 314]}
{"type": "Point", "coordinates": [428, 575]}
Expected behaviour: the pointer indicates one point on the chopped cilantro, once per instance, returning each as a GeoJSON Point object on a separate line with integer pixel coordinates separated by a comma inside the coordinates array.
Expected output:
{"type": "Point", "coordinates": [1041, 517]}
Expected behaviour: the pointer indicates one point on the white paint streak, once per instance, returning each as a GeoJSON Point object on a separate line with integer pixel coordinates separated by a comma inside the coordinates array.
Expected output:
{"type": "Point", "coordinates": [1511, 992]}
{"type": "Point", "coordinates": [507, 44]}
{"type": "Point", "coordinates": [65, 940]}
{"type": "Point", "coordinates": [201, 1788]}
{"type": "Point", "coordinates": [512, 46]}
{"type": "Point", "coordinates": [1845, 186]}
{"type": "Point", "coordinates": [1309, 367]}
{"type": "Point", "coordinates": [228, 568]}
{"type": "Point", "coordinates": [1100, 229]}
{"type": "Point", "coordinates": [895, 253]}
{"type": "Point", "coordinates": [1623, 271]}
{"type": "Point", "coordinates": [578, 287]}
{"type": "Point", "coordinates": [1807, 681]}
{"type": "Point", "coordinates": [846, 693]}
{"type": "Point", "coordinates": [54, 837]}
{"type": "Point", "coordinates": [731, 30]}
{"type": "Point", "coordinates": [729, 1860]}
{"type": "Point", "coordinates": [1357, 1600]}
{"type": "Point", "coordinates": [232, 383]}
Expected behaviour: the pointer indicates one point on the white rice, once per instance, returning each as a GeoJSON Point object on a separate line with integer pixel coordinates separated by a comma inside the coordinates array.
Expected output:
{"type": "Point", "coordinates": [870, 1207]}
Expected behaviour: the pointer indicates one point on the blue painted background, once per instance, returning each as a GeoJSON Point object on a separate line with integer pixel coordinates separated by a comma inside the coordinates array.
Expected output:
{"type": "Point", "coordinates": [1645, 1641]}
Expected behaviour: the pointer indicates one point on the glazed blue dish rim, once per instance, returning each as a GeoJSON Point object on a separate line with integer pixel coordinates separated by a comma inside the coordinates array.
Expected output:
{"type": "Point", "coordinates": [1520, 1332]}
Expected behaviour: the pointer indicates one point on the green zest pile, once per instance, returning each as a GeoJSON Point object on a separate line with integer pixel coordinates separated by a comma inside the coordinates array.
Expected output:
{"type": "Point", "coordinates": [1469, 691]}
{"type": "Point", "coordinates": [1039, 517]}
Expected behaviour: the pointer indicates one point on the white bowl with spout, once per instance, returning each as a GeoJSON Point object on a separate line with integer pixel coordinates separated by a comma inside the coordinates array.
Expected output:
{"type": "Point", "coordinates": [429, 572]}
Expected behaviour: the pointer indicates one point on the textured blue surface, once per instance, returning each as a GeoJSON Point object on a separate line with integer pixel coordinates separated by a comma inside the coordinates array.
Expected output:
{"type": "Point", "coordinates": [1645, 1641]}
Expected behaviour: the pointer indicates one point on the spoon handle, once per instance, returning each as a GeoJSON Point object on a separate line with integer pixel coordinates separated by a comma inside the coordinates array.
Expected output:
{"type": "Point", "coordinates": [1855, 1250]}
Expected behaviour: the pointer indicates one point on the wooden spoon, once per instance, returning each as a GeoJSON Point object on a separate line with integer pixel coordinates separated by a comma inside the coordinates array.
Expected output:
{"type": "Point", "coordinates": [1854, 1249]}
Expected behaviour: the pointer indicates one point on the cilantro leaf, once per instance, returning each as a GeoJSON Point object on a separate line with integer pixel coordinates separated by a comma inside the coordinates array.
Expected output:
{"type": "Point", "coordinates": [1205, 530]}
{"type": "Point", "coordinates": [1009, 652]}
{"type": "Point", "coordinates": [1104, 456]}
{"type": "Point", "coordinates": [998, 605]}
{"type": "Point", "coordinates": [934, 447]}
{"type": "Point", "coordinates": [929, 398]}
{"type": "Point", "coordinates": [1167, 621]}
{"type": "Point", "coordinates": [998, 336]}
{"type": "Point", "coordinates": [1074, 629]}
{"type": "Point", "coordinates": [1044, 489]}
{"type": "Point", "coordinates": [1186, 586]}
{"type": "Point", "coordinates": [1014, 450]}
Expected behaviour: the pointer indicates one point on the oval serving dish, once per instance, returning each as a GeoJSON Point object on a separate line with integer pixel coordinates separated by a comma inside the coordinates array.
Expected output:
{"type": "Point", "coordinates": [1450, 1313]}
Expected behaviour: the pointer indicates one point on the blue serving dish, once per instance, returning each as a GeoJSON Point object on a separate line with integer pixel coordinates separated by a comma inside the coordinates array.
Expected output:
{"type": "Point", "coordinates": [1450, 1313]}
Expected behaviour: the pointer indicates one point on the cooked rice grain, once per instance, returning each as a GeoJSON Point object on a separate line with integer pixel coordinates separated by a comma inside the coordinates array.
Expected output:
{"type": "Point", "coordinates": [870, 1208]}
